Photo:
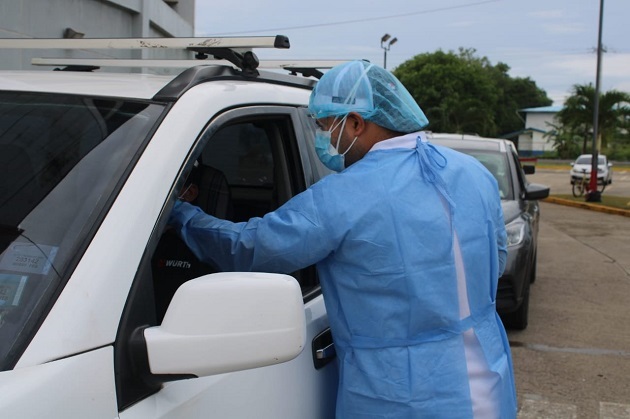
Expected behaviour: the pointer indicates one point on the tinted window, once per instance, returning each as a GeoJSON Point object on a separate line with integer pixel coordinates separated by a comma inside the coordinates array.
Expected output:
{"type": "Point", "coordinates": [243, 153]}
{"type": "Point", "coordinates": [497, 164]}
{"type": "Point", "coordinates": [62, 158]}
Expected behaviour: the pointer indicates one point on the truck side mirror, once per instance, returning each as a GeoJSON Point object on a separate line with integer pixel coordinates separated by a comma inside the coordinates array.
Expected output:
{"type": "Point", "coordinates": [228, 322]}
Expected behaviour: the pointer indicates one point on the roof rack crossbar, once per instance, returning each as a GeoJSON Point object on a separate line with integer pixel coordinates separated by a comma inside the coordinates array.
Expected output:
{"type": "Point", "coordinates": [277, 41]}
{"type": "Point", "coordinates": [305, 67]}
{"type": "Point", "coordinates": [236, 50]}
{"type": "Point", "coordinates": [175, 63]}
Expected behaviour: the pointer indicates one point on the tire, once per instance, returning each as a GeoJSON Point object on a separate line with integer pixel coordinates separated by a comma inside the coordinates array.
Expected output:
{"type": "Point", "coordinates": [518, 320]}
{"type": "Point", "coordinates": [532, 275]}
{"type": "Point", "coordinates": [578, 189]}
{"type": "Point", "coordinates": [600, 188]}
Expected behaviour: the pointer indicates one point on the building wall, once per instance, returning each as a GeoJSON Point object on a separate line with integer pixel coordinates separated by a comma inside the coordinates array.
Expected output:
{"type": "Point", "coordinates": [533, 142]}
{"type": "Point", "coordinates": [525, 147]}
{"type": "Point", "coordinates": [96, 19]}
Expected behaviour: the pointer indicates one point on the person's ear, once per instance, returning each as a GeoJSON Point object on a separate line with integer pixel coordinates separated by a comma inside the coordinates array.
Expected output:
{"type": "Point", "coordinates": [356, 124]}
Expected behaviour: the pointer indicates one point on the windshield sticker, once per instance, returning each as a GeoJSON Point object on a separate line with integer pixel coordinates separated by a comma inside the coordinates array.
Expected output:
{"type": "Point", "coordinates": [28, 258]}
{"type": "Point", "coordinates": [11, 288]}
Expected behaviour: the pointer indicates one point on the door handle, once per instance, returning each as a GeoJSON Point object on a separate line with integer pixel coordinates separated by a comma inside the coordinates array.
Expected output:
{"type": "Point", "coordinates": [323, 349]}
{"type": "Point", "coordinates": [327, 352]}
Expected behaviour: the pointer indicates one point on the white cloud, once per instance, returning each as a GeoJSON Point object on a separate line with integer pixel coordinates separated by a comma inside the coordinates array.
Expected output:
{"type": "Point", "coordinates": [612, 65]}
{"type": "Point", "coordinates": [564, 28]}
{"type": "Point", "coordinates": [547, 14]}
{"type": "Point", "coordinates": [579, 65]}
{"type": "Point", "coordinates": [616, 65]}
{"type": "Point", "coordinates": [558, 96]}
{"type": "Point", "coordinates": [462, 24]}
{"type": "Point", "coordinates": [558, 21]}
{"type": "Point", "coordinates": [624, 86]}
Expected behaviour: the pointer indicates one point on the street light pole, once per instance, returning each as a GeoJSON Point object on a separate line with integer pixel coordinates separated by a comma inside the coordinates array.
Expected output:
{"type": "Point", "coordinates": [386, 48]}
{"type": "Point", "coordinates": [594, 195]}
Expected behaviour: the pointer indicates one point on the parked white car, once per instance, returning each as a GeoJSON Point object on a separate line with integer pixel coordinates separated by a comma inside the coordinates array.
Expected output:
{"type": "Point", "coordinates": [92, 164]}
{"type": "Point", "coordinates": [581, 168]}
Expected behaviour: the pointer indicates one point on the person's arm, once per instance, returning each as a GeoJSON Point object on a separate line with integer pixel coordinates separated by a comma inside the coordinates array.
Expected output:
{"type": "Point", "coordinates": [283, 241]}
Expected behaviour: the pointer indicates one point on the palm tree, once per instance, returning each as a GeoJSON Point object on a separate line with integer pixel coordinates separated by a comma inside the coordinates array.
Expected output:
{"type": "Point", "coordinates": [567, 144]}
{"type": "Point", "coordinates": [577, 115]}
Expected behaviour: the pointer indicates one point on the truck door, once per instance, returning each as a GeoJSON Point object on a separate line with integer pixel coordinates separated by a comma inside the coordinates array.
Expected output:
{"type": "Point", "coordinates": [247, 162]}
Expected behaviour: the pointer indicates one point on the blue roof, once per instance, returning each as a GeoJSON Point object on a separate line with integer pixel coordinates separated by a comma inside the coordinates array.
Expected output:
{"type": "Point", "coordinates": [543, 109]}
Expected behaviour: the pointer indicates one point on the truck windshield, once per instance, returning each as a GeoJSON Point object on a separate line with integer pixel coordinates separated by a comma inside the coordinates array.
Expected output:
{"type": "Point", "coordinates": [62, 160]}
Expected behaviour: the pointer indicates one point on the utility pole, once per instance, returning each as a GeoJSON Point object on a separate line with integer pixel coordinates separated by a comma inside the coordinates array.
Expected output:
{"type": "Point", "coordinates": [593, 194]}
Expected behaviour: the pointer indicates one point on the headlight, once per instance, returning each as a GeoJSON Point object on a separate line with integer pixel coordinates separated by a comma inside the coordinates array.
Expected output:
{"type": "Point", "coordinates": [515, 232]}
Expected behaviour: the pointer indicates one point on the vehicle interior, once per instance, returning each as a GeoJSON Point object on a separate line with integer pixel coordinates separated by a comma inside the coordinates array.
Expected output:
{"type": "Point", "coordinates": [242, 172]}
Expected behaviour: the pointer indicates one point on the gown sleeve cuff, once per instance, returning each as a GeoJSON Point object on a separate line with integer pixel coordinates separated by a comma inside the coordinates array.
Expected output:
{"type": "Point", "coordinates": [182, 212]}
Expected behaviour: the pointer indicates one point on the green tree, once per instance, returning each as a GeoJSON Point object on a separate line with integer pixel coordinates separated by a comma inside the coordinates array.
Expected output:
{"type": "Point", "coordinates": [463, 93]}
{"type": "Point", "coordinates": [576, 116]}
{"type": "Point", "coordinates": [517, 93]}
{"type": "Point", "coordinates": [566, 144]}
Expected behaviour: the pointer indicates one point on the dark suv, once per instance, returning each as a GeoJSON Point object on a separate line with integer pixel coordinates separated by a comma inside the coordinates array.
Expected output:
{"type": "Point", "coordinates": [521, 212]}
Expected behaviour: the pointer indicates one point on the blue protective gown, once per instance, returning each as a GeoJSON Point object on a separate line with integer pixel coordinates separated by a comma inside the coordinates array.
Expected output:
{"type": "Point", "coordinates": [409, 243]}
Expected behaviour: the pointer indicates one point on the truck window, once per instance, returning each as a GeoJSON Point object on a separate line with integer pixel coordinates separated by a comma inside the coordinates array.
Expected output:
{"type": "Point", "coordinates": [62, 161]}
{"type": "Point", "coordinates": [244, 168]}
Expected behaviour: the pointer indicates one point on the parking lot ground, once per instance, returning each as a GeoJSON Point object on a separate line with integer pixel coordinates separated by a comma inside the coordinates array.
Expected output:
{"type": "Point", "coordinates": [573, 360]}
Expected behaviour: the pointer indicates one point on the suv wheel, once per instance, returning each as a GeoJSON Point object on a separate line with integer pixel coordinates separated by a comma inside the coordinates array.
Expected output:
{"type": "Point", "coordinates": [519, 318]}
{"type": "Point", "coordinates": [532, 275]}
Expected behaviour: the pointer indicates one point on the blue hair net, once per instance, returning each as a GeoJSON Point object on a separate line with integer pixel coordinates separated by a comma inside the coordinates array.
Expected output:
{"type": "Point", "coordinates": [369, 90]}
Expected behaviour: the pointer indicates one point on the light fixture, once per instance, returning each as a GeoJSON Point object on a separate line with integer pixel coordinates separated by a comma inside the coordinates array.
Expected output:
{"type": "Point", "coordinates": [386, 47]}
{"type": "Point", "coordinates": [70, 33]}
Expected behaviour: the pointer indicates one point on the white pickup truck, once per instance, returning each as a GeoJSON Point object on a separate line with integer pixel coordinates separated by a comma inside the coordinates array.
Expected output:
{"type": "Point", "coordinates": [92, 163]}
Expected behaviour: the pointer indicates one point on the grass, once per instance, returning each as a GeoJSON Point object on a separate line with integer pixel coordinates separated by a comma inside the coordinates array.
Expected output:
{"type": "Point", "coordinates": [553, 166]}
{"type": "Point", "coordinates": [621, 202]}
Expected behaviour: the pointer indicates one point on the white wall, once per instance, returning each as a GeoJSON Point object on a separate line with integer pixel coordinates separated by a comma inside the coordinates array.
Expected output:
{"type": "Point", "coordinates": [534, 142]}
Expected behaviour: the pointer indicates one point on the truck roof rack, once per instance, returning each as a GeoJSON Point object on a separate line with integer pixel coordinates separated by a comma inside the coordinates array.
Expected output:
{"type": "Point", "coordinates": [308, 68]}
{"type": "Point", "coordinates": [193, 44]}
{"type": "Point", "coordinates": [236, 50]}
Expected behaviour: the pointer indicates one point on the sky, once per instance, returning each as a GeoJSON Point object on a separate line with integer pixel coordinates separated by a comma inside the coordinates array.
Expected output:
{"type": "Point", "coordinates": [553, 42]}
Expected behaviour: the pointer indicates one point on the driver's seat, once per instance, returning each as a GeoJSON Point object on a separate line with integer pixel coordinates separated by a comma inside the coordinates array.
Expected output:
{"type": "Point", "coordinates": [214, 193]}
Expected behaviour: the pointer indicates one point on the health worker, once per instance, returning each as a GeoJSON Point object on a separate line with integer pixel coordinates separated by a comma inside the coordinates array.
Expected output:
{"type": "Point", "coordinates": [409, 242]}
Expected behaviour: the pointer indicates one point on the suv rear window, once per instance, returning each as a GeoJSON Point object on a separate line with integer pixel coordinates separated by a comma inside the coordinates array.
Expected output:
{"type": "Point", "coordinates": [62, 158]}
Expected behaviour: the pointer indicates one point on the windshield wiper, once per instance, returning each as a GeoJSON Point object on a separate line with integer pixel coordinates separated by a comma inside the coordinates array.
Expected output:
{"type": "Point", "coordinates": [7, 235]}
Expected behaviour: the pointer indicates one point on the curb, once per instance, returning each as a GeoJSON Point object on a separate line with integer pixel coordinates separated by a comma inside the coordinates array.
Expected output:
{"type": "Point", "coordinates": [588, 206]}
